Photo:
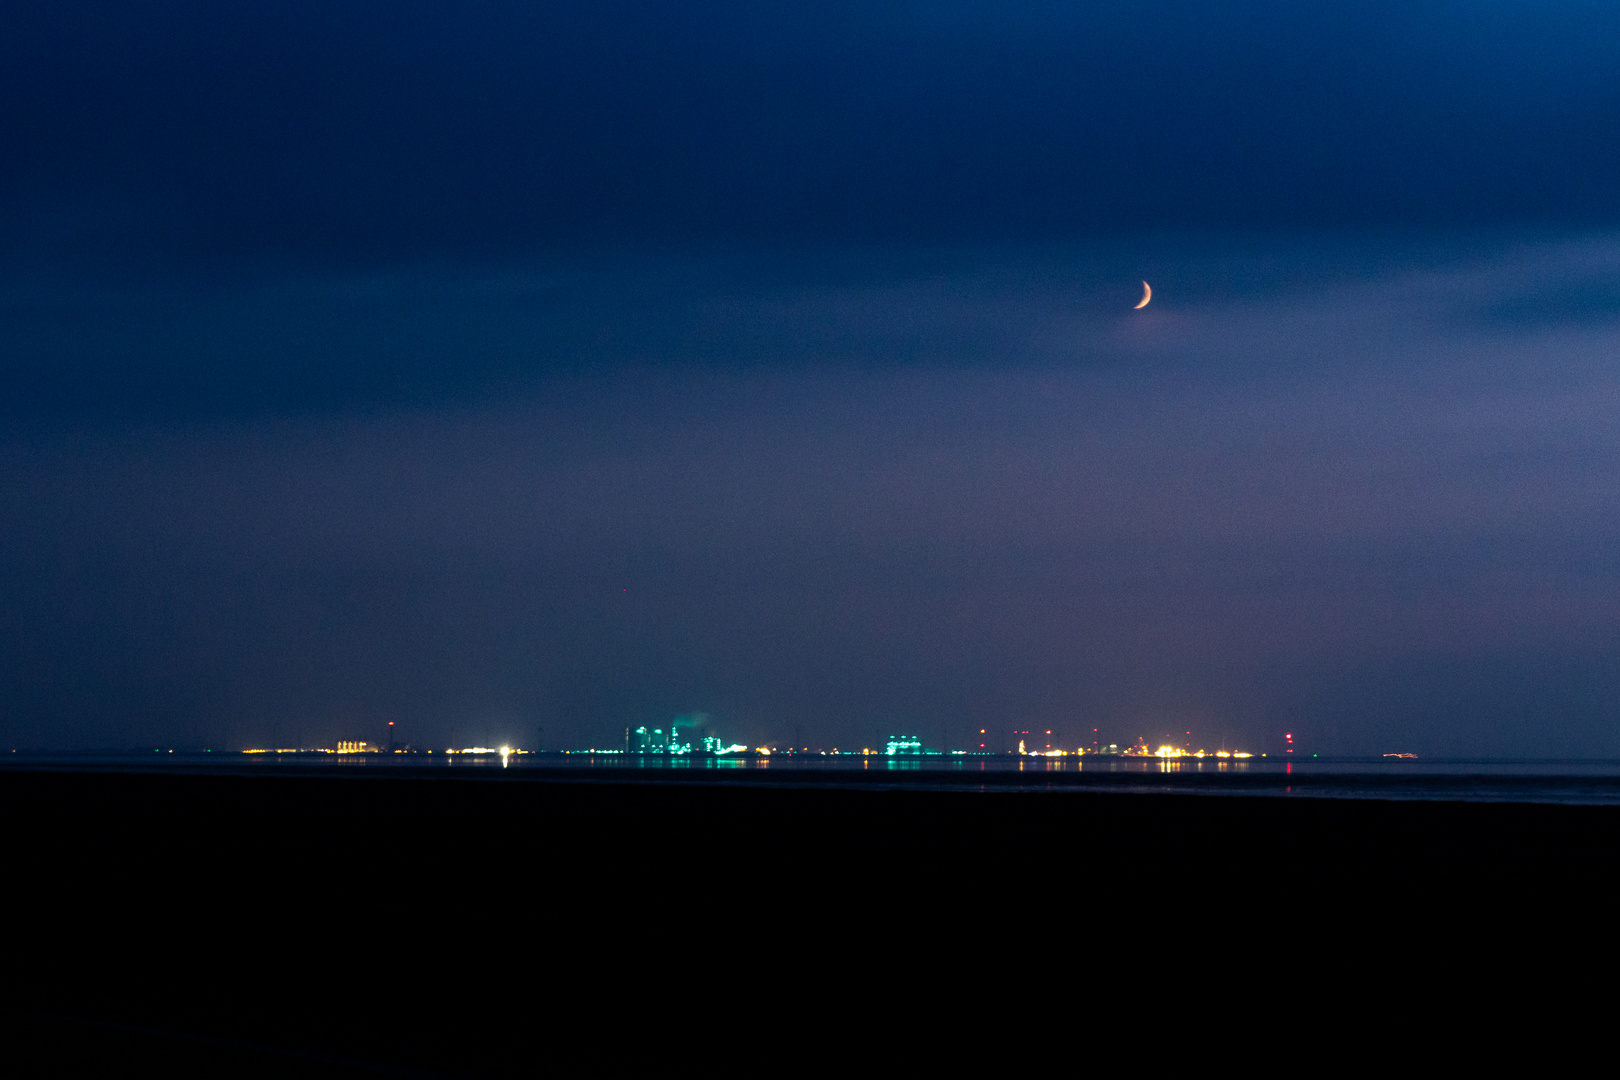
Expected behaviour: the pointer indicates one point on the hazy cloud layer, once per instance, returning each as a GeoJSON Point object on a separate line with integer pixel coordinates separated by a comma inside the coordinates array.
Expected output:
{"type": "Point", "coordinates": [1362, 491]}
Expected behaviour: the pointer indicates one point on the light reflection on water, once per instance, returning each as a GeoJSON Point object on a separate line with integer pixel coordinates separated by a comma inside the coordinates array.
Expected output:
{"type": "Point", "coordinates": [1006, 763]}
{"type": "Point", "coordinates": [1002, 763]}
{"type": "Point", "coordinates": [1565, 781]}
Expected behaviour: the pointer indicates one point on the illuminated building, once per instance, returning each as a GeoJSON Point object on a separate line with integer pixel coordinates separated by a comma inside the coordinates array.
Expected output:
{"type": "Point", "coordinates": [657, 740]}
{"type": "Point", "coordinates": [357, 748]}
{"type": "Point", "coordinates": [1030, 741]}
{"type": "Point", "coordinates": [645, 740]}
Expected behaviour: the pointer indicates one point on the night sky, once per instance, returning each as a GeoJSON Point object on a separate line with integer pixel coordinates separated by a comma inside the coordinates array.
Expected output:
{"type": "Point", "coordinates": [524, 371]}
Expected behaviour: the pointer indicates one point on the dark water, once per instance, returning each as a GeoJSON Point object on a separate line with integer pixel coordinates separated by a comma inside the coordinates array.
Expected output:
{"type": "Point", "coordinates": [1576, 782]}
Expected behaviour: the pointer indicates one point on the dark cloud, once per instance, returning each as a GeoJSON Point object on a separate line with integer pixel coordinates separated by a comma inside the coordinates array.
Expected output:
{"type": "Point", "coordinates": [360, 130]}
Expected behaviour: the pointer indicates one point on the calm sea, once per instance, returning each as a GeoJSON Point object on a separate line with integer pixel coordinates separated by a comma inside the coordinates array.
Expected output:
{"type": "Point", "coordinates": [1589, 782]}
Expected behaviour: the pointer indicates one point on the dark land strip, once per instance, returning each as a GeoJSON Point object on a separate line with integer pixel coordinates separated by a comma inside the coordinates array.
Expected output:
{"type": "Point", "coordinates": [452, 924]}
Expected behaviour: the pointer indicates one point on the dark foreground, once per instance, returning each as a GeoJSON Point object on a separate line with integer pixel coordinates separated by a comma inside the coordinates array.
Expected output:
{"type": "Point", "coordinates": [346, 925]}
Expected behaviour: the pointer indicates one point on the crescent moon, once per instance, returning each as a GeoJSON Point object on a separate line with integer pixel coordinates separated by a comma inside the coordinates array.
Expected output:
{"type": "Point", "coordinates": [1147, 294]}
